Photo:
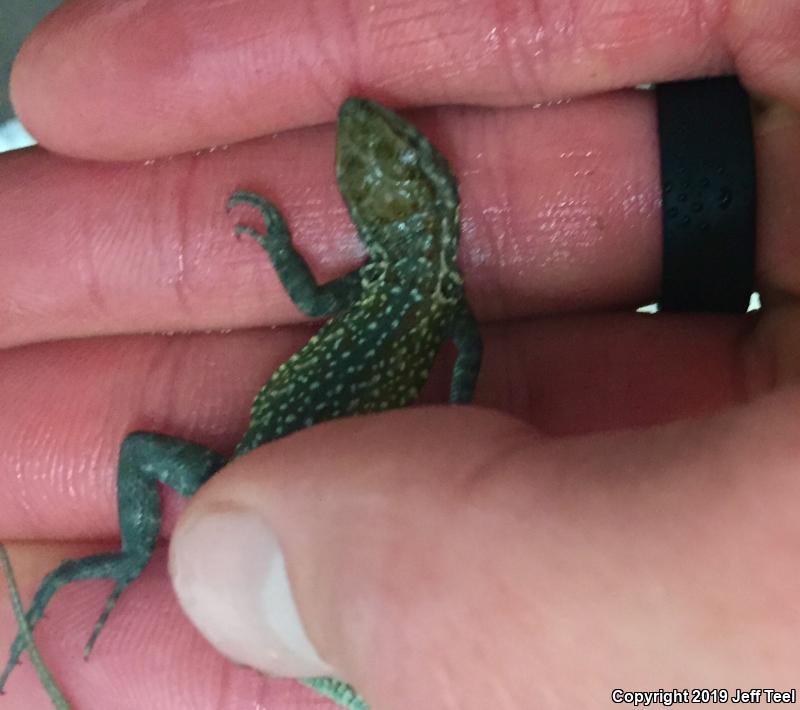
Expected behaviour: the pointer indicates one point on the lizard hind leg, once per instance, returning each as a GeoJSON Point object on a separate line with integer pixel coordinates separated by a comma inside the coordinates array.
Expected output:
{"type": "Point", "coordinates": [49, 684]}
{"type": "Point", "coordinates": [92, 567]}
{"type": "Point", "coordinates": [145, 460]}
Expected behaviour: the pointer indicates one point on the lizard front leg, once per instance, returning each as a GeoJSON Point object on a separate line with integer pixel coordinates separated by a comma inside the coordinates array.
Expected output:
{"type": "Point", "coordinates": [310, 297]}
{"type": "Point", "coordinates": [145, 460]}
{"type": "Point", "coordinates": [467, 339]}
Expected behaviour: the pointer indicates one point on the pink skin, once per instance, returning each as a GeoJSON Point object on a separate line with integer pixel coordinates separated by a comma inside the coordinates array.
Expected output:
{"type": "Point", "coordinates": [151, 257]}
{"type": "Point", "coordinates": [560, 214]}
{"type": "Point", "coordinates": [175, 77]}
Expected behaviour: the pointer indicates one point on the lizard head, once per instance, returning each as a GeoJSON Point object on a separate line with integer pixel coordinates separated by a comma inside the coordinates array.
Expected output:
{"type": "Point", "coordinates": [392, 179]}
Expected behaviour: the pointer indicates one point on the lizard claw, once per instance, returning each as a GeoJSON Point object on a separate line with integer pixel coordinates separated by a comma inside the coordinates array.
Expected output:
{"type": "Point", "coordinates": [241, 229]}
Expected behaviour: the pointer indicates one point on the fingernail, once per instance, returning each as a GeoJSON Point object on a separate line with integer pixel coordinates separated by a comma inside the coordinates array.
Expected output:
{"type": "Point", "coordinates": [230, 576]}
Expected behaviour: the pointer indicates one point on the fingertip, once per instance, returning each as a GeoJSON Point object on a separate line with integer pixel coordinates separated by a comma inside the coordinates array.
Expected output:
{"type": "Point", "coordinates": [350, 524]}
{"type": "Point", "coordinates": [230, 577]}
{"type": "Point", "coordinates": [85, 84]}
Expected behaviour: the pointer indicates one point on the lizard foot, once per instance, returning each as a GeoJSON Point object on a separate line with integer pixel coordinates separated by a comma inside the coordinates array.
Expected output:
{"type": "Point", "coordinates": [122, 568]}
{"type": "Point", "coordinates": [241, 229]}
{"type": "Point", "coordinates": [146, 459]}
{"type": "Point", "coordinates": [273, 220]}
{"type": "Point", "coordinates": [242, 197]}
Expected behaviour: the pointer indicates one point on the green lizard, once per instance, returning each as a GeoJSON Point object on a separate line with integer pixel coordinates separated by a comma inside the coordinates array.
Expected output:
{"type": "Point", "coordinates": [59, 701]}
{"type": "Point", "coordinates": [390, 317]}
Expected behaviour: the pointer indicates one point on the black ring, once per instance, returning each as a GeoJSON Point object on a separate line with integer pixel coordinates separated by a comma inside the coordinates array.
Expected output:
{"type": "Point", "coordinates": [709, 195]}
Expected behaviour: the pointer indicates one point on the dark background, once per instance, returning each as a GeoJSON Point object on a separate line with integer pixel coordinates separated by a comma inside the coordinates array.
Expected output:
{"type": "Point", "coordinates": [17, 19]}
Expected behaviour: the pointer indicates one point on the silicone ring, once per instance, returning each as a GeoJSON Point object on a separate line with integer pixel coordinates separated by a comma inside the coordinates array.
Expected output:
{"type": "Point", "coordinates": [708, 180]}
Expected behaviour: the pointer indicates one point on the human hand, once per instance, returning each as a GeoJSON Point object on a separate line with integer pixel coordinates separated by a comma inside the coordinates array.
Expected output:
{"type": "Point", "coordinates": [537, 560]}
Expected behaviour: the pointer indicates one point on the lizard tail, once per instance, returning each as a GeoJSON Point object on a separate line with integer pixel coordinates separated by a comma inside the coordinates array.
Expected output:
{"type": "Point", "coordinates": [57, 697]}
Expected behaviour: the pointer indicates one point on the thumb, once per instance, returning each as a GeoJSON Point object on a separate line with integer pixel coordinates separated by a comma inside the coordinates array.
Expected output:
{"type": "Point", "coordinates": [350, 521]}
{"type": "Point", "coordinates": [450, 557]}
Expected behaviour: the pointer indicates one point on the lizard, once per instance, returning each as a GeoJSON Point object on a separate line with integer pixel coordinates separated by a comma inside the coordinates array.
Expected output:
{"type": "Point", "coordinates": [388, 319]}
{"type": "Point", "coordinates": [56, 696]}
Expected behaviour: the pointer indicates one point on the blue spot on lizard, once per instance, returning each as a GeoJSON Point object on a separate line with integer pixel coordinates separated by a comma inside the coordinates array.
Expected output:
{"type": "Point", "coordinates": [389, 318]}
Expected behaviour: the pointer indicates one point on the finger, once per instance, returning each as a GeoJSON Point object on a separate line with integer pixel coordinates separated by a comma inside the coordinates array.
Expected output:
{"type": "Point", "coordinates": [571, 375]}
{"type": "Point", "coordinates": [147, 656]}
{"type": "Point", "coordinates": [588, 563]}
{"type": "Point", "coordinates": [572, 221]}
{"type": "Point", "coordinates": [167, 83]}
